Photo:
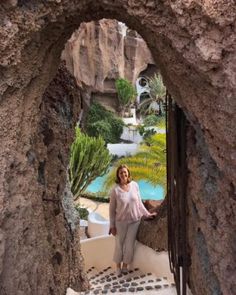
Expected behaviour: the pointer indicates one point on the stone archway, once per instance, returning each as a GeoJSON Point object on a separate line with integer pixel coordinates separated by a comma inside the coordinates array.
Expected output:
{"type": "Point", "coordinates": [194, 47]}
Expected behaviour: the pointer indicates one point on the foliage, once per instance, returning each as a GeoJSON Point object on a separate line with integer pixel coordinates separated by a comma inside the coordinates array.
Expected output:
{"type": "Point", "coordinates": [148, 164]}
{"type": "Point", "coordinates": [101, 122]}
{"type": "Point", "coordinates": [151, 120]}
{"type": "Point", "coordinates": [161, 122]}
{"type": "Point", "coordinates": [98, 197]}
{"type": "Point", "coordinates": [100, 128]}
{"type": "Point", "coordinates": [146, 133]}
{"type": "Point", "coordinates": [126, 92]}
{"type": "Point", "coordinates": [83, 212]}
{"type": "Point", "coordinates": [154, 120]}
{"type": "Point", "coordinates": [89, 158]}
{"type": "Point", "coordinates": [157, 88]}
{"type": "Point", "coordinates": [157, 93]}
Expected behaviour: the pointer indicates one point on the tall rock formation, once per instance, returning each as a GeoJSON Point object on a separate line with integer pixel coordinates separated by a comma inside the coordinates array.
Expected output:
{"type": "Point", "coordinates": [100, 52]}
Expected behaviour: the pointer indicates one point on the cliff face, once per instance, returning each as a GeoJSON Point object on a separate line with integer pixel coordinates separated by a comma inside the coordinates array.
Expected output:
{"type": "Point", "coordinates": [100, 52]}
{"type": "Point", "coordinates": [193, 44]}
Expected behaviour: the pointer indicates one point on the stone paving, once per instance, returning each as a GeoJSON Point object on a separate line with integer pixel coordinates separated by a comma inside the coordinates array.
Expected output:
{"type": "Point", "coordinates": [133, 281]}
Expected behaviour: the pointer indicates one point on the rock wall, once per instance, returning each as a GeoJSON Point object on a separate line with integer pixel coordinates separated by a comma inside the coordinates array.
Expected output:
{"type": "Point", "coordinates": [59, 112]}
{"type": "Point", "coordinates": [193, 44]}
{"type": "Point", "coordinates": [39, 224]}
{"type": "Point", "coordinates": [211, 203]}
{"type": "Point", "coordinates": [154, 233]}
{"type": "Point", "coordinates": [99, 53]}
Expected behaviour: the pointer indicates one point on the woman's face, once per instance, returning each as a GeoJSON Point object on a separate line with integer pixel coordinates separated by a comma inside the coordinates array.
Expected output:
{"type": "Point", "coordinates": [123, 175]}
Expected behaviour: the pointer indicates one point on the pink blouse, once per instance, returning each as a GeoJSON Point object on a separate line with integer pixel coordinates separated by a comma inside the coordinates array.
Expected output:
{"type": "Point", "coordinates": [126, 206]}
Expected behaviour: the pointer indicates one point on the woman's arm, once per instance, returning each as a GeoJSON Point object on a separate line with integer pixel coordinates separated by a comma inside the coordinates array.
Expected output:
{"type": "Point", "coordinates": [142, 208]}
{"type": "Point", "coordinates": [112, 212]}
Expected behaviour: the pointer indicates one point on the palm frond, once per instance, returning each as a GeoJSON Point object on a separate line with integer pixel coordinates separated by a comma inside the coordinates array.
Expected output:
{"type": "Point", "coordinates": [149, 163]}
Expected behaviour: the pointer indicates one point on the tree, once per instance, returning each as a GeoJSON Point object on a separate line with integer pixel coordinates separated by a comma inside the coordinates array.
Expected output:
{"type": "Point", "coordinates": [148, 164]}
{"type": "Point", "coordinates": [126, 92]}
{"type": "Point", "coordinates": [89, 158]}
{"type": "Point", "coordinates": [157, 93]}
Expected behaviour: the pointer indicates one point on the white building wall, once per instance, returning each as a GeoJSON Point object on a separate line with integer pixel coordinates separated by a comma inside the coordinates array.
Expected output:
{"type": "Point", "coordinates": [141, 89]}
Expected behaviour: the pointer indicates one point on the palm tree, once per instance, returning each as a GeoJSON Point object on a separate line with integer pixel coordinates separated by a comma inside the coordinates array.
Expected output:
{"type": "Point", "coordinates": [157, 93]}
{"type": "Point", "coordinates": [148, 164]}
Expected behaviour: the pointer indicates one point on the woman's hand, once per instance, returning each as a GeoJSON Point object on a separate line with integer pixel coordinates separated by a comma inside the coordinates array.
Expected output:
{"type": "Point", "coordinates": [112, 231]}
{"type": "Point", "coordinates": [151, 216]}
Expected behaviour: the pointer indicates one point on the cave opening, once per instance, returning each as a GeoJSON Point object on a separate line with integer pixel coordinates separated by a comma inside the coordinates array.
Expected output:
{"type": "Point", "coordinates": [193, 47]}
{"type": "Point", "coordinates": [88, 63]}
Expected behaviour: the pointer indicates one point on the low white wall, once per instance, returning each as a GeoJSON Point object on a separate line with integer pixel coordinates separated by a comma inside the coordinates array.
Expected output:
{"type": "Point", "coordinates": [131, 133]}
{"type": "Point", "coordinates": [122, 149]}
{"type": "Point", "coordinates": [149, 260]}
{"type": "Point", "coordinates": [98, 252]}
{"type": "Point", "coordinates": [97, 225]}
{"type": "Point", "coordinates": [131, 120]}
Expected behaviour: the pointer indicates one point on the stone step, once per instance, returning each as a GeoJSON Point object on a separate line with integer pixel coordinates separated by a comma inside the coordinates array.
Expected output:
{"type": "Point", "coordinates": [111, 275]}
{"type": "Point", "coordinates": [93, 273]}
{"type": "Point", "coordinates": [106, 281]}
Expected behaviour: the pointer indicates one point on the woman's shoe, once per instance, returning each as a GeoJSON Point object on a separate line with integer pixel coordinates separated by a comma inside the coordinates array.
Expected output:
{"type": "Point", "coordinates": [118, 271]}
{"type": "Point", "coordinates": [125, 270]}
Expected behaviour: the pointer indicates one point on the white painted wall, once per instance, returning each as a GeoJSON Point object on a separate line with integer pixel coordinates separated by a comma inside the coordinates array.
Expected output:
{"type": "Point", "coordinates": [122, 149]}
{"type": "Point", "coordinates": [97, 225]}
{"type": "Point", "coordinates": [131, 120]}
{"type": "Point", "coordinates": [141, 89]}
{"type": "Point", "coordinates": [131, 133]}
{"type": "Point", "coordinates": [98, 252]}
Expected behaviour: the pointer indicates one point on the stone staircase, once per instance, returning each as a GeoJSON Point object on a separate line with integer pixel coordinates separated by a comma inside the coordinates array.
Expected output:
{"type": "Point", "coordinates": [134, 281]}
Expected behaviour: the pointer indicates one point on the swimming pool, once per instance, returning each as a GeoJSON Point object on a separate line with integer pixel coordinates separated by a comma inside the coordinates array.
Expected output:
{"type": "Point", "coordinates": [147, 191]}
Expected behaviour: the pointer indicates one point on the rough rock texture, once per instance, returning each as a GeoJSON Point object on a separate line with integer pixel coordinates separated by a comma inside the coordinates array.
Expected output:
{"type": "Point", "coordinates": [60, 109]}
{"type": "Point", "coordinates": [100, 52]}
{"type": "Point", "coordinates": [154, 232]}
{"type": "Point", "coordinates": [211, 205]}
{"type": "Point", "coordinates": [42, 253]}
{"type": "Point", "coordinates": [152, 205]}
{"type": "Point", "coordinates": [194, 45]}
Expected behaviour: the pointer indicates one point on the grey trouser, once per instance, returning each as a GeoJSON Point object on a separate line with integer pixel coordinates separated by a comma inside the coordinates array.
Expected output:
{"type": "Point", "coordinates": [125, 240]}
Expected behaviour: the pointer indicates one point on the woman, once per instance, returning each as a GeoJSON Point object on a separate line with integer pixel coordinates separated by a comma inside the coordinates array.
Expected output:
{"type": "Point", "coordinates": [126, 210]}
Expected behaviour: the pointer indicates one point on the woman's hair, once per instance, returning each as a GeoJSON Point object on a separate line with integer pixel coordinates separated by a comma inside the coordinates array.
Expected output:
{"type": "Point", "coordinates": [117, 173]}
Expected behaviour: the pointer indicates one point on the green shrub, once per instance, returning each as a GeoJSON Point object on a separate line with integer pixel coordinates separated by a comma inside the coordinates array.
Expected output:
{"type": "Point", "coordinates": [117, 128]}
{"type": "Point", "coordinates": [151, 120]}
{"type": "Point", "coordinates": [100, 128]}
{"type": "Point", "coordinates": [97, 112]}
{"type": "Point", "coordinates": [98, 197]}
{"type": "Point", "coordinates": [126, 92]}
{"type": "Point", "coordinates": [101, 122]}
{"type": "Point", "coordinates": [83, 212]}
{"type": "Point", "coordinates": [141, 129]}
{"type": "Point", "coordinates": [146, 133]}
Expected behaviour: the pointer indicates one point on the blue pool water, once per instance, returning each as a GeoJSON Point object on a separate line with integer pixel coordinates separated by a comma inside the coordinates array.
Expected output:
{"type": "Point", "coordinates": [147, 190]}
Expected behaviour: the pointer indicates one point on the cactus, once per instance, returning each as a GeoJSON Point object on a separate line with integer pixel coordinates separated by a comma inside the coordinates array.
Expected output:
{"type": "Point", "coordinates": [89, 158]}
